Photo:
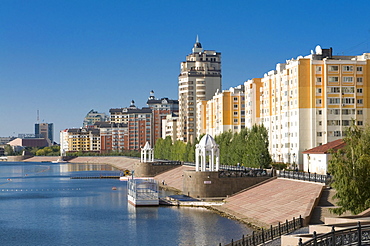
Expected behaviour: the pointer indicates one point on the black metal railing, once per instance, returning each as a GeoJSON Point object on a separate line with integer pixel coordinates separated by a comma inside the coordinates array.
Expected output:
{"type": "Point", "coordinates": [246, 172]}
{"type": "Point", "coordinates": [265, 235]}
{"type": "Point", "coordinates": [357, 235]}
{"type": "Point", "coordinates": [162, 163]}
{"type": "Point", "coordinates": [311, 177]}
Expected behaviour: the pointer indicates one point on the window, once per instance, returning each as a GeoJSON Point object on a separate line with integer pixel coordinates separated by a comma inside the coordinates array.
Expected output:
{"type": "Point", "coordinates": [359, 69]}
{"type": "Point", "coordinates": [333, 79]}
{"type": "Point", "coordinates": [319, 134]}
{"type": "Point", "coordinates": [348, 100]}
{"type": "Point", "coordinates": [348, 79]}
{"type": "Point", "coordinates": [359, 80]}
{"type": "Point", "coordinates": [348, 89]}
{"type": "Point", "coordinates": [337, 133]}
{"type": "Point", "coordinates": [318, 101]}
{"type": "Point", "coordinates": [320, 123]}
{"type": "Point", "coordinates": [333, 68]}
{"type": "Point", "coordinates": [319, 112]}
{"type": "Point", "coordinates": [360, 123]}
{"type": "Point", "coordinates": [235, 99]}
{"type": "Point", "coordinates": [318, 69]}
{"type": "Point", "coordinates": [359, 90]}
{"type": "Point", "coordinates": [318, 80]}
{"type": "Point", "coordinates": [235, 105]}
{"type": "Point", "coordinates": [359, 111]}
{"type": "Point", "coordinates": [347, 68]}
{"type": "Point", "coordinates": [235, 120]}
{"type": "Point", "coordinates": [319, 90]}
{"type": "Point", "coordinates": [333, 100]}
{"type": "Point", "coordinates": [345, 122]}
{"type": "Point", "coordinates": [235, 113]}
{"type": "Point", "coordinates": [360, 101]}
{"type": "Point", "coordinates": [334, 89]}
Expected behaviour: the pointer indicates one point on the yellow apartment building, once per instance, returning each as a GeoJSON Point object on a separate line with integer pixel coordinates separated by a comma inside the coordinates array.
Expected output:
{"type": "Point", "coordinates": [309, 101]}
{"type": "Point", "coordinates": [223, 112]}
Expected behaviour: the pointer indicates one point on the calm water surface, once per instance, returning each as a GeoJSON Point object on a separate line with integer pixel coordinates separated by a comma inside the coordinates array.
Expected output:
{"type": "Point", "coordinates": [41, 205]}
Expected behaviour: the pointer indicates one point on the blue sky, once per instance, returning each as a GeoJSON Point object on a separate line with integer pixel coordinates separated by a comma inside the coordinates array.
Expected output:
{"type": "Point", "coordinates": [67, 57]}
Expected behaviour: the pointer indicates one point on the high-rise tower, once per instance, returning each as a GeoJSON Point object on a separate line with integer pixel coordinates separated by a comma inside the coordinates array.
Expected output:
{"type": "Point", "coordinates": [199, 79]}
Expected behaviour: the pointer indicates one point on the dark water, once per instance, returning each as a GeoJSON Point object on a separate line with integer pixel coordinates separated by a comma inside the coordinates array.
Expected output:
{"type": "Point", "coordinates": [41, 205]}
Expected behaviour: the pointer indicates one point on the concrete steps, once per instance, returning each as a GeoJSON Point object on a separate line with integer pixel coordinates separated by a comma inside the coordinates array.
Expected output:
{"type": "Point", "coordinates": [275, 201]}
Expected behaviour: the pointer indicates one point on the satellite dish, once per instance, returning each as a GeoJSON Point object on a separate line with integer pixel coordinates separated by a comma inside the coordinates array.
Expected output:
{"type": "Point", "coordinates": [318, 50]}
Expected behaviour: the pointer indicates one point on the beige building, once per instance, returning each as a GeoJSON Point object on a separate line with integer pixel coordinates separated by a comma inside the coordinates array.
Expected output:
{"type": "Point", "coordinates": [225, 111]}
{"type": "Point", "coordinates": [199, 79]}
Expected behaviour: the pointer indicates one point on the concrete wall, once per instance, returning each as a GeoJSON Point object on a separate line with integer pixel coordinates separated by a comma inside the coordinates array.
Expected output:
{"type": "Point", "coordinates": [147, 169]}
{"type": "Point", "coordinates": [208, 184]}
{"type": "Point", "coordinates": [17, 158]}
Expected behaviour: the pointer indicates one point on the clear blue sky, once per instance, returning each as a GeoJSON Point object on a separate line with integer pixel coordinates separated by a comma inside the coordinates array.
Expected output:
{"type": "Point", "coordinates": [65, 57]}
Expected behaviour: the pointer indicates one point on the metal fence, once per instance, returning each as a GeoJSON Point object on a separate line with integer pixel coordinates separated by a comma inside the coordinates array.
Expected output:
{"type": "Point", "coordinates": [162, 163]}
{"type": "Point", "coordinates": [265, 235]}
{"type": "Point", "coordinates": [246, 172]}
{"type": "Point", "coordinates": [311, 177]}
{"type": "Point", "coordinates": [357, 235]}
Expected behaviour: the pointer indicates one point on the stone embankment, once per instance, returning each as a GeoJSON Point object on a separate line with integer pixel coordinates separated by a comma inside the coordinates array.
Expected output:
{"type": "Point", "coordinates": [267, 204]}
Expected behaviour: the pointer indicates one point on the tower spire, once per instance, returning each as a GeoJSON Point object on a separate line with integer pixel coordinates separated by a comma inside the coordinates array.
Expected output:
{"type": "Point", "coordinates": [197, 46]}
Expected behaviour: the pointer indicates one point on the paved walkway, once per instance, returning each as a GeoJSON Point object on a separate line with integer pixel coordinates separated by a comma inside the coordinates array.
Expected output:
{"type": "Point", "coordinates": [174, 177]}
{"type": "Point", "coordinates": [275, 201]}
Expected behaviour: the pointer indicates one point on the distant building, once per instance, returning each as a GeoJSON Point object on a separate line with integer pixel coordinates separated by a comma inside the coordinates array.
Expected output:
{"type": "Point", "coordinates": [199, 79]}
{"type": "Point", "coordinates": [92, 117]}
{"type": "Point", "coordinates": [169, 126]}
{"type": "Point", "coordinates": [139, 123]}
{"type": "Point", "coordinates": [225, 111]}
{"type": "Point", "coordinates": [79, 139]}
{"type": "Point", "coordinates": [113, 136]}
{"type": "Point", "coordinates": [160, 109]}
{"type": "Point", "coordinates": [29, 142]}
{"type": "Point", "coordinates": [45, 130]}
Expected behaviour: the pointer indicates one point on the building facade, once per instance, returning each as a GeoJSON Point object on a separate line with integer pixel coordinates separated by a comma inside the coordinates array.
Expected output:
{"type": "Point", "coordinates": [224, 112]}
{"type": "Point", "coordinates": [45, 130]}
{"type": "Point", "coordinates": [199, 79]}
{"type": "Point", "coordinates": [139, 123]}
{"type": "Point", "coordinates": [309, 101]}
{"type": "Point", "coordinates": [79, 139]}
{"type": "Point", "coordinates": [92, 117]}
{"type": "Point", "coordinates": [161, 107]}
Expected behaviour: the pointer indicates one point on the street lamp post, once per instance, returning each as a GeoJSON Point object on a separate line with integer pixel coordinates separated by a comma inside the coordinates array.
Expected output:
{"type": "Point", "coordinates": [308, 162]}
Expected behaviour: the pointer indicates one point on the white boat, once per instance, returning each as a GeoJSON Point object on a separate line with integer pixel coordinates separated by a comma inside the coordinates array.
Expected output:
{"type": "Point", "coordinates": [59, 161]}
{"type": "Point", "coordinates": [142, 192]}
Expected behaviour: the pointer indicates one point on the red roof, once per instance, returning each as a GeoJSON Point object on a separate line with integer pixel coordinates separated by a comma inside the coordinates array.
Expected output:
{"type": "Point", "coordinates": [324, 149]}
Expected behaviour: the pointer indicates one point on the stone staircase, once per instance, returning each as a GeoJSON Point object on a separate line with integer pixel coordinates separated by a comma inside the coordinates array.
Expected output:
{"type": "Point", "coordinates": [322, 210]}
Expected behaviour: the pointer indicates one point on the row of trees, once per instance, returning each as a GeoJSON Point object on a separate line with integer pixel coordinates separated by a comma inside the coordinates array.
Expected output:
{"type": "Point", "coordinates": [40, 151]}
{"type": "Point", "coordinates": [248, 147]}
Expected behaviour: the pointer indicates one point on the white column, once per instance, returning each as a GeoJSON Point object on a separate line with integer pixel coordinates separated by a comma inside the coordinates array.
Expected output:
{"type": "Point", "coordinates": [204, 162]}
{"type": "Point", "coordinates": [197, 159]}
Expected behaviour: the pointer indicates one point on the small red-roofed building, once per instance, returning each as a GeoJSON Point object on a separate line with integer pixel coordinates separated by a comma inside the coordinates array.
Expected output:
{"type": "Point", "coordinates": [316, 160]}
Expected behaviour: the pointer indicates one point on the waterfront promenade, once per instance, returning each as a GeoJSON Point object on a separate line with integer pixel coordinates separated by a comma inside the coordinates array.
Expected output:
{"type": "Point", "coordinates": [267, 204]}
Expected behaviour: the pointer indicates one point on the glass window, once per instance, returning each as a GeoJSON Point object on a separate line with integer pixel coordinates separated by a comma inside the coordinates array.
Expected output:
{"type": "Point", "coordinates": [347, 68]}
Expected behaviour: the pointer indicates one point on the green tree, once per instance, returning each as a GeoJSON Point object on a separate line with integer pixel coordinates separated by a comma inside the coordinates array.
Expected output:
{"type": "Point", "coordinates": [224, 142]}
{"type": "Point", "coordinates": [257, 154]}
{"type": "Point", "coordinates": [350, 168]}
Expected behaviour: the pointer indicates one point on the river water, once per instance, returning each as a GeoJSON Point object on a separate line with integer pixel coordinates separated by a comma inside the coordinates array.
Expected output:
{"type": "Point", "coordinates": [41, 205]}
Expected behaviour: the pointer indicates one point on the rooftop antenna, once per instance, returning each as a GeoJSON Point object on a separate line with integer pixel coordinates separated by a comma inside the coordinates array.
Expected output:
{"type": "Point", "coordinates": [38, 116]}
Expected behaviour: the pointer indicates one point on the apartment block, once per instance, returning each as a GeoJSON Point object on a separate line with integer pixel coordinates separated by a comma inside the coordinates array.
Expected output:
{"type": "Point", "coordinates": [225, 111]}
{"type": "Point", "coordinates": [309, 101]}
{"type": "Point", "coordinates": [139, 123]}
{"type": "Point", "coordinates": [199, 79]}
{"type": "Point", "coordinates": [161, 107]}
{"type": "Point", "coordinates": [79, 139]}
{"type": "Point", "coordinates": [92, 117]}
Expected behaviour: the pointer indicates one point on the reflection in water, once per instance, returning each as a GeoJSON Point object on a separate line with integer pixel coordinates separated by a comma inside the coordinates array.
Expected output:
{"type": "Point", "coordinates": [46, 207]}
